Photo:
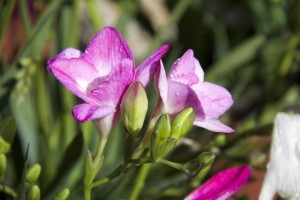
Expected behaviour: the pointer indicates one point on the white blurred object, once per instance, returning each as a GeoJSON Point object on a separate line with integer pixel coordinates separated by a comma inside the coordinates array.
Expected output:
{"type": "Point", "coordinates": [283, 170]}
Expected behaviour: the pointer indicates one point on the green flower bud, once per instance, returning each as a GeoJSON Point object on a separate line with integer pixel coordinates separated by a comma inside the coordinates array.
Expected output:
{"type": "Point", "coordinates": [62, 195]}
{"type": "Point", "coordinates": [183, 122]}
{"type": "Point", "coordinates": [161, 144]}
{"type": "Point", "coordinates": [203, 161]}
{"type": "Point", "coordinates": [33, 173]}
{"type": "Point", "coordinates": [4, 146]}
{"type": "Point", "coordinates": [134, 108]}
{"type": "Point", "coordinates": [3, 165]}
{"type": "Point", "coordinates": [34, 193]}
{"type": "Point", "coordinates": [162, 128]}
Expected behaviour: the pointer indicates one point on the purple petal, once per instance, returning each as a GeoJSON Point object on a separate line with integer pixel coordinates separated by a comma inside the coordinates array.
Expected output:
{"type": "Point", "coordinates": [148, 67]}
{"type": "Point", "coordinates": [181, 96]}
{"type": "Point", "coordinates": [85, 112]}
{"type": "Point", "coordinates": [213, 125]}
{"type": "Point", "coordinates": [107, 50]}
{"type": "Point", "coordinates": [161, 83]}
{"type": "Point", "coordinates": [186, 70]}
{"type": "Point", "coordinates": [222, 185]}
{"type": "Point", "coordinates": [73, 72]}
{"type": "Point", "coordinates": [111, 89]}
{"type": "Point", "coordinates": [214, 99]}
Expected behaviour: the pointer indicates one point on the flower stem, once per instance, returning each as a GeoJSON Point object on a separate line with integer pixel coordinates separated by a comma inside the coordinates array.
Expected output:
{"type": "Point", "coordinates": [93, 166]}
{"type": "Point", "coordinates": [9, 191]}
{"type": "Point", "coordinates": [140, 181]}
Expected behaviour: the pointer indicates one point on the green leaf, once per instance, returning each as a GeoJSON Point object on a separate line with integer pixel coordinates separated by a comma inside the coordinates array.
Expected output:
{"type": "Point", "coordinates": [69, 158]}
{"type": "Point", "coordinates": [236, 58]}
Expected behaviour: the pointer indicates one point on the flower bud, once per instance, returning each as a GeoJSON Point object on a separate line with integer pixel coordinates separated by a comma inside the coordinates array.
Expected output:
{"type": "Point", "coordinates": [3, 165]}
{"type": "Point", "coordinates": [134, 108]}
{"type": "Point", "coordinates": [161, 142]}
{"type": "Point", "coordinates": [33, 173]}
{"type": "Point", "coordinates": [183, 122]}
{"type": "Point", "coordinates": [34, 193]}
{"type": "Point", "coordinates": [162, 128]}
{"type": "Point", "coordinates": [193, 167]}
{"type": "Point", "coordinates": [4, 146]}
{"type": "Point", "coordinates": [62, 195]}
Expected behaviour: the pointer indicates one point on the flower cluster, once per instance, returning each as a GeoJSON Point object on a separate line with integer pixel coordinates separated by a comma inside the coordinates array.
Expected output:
{"type": "Point", "coordinates": [101, 74]}
{"type": "Point", "coordinates": [105, 78]}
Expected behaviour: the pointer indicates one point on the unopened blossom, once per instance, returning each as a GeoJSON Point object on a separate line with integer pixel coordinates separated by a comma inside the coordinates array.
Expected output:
{"type": "Point", "coordinates": [185, 87]}
{"type": "Point", "coordinates": [283, 169]}
{"type": "Point", "coordinates": [100, 75]}
{"type": "Point", "coordinates": [223, 185]}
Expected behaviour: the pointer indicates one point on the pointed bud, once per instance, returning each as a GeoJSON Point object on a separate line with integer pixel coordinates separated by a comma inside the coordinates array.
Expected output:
{"type": "Point", "coordinates": [134, 108]}
{"type": "Point", "coordinates": [34, 193]}
{"type": "Point", "coordinates": [162, 128]}
{"type": "Point", "coordinates": [33, 173]}
{"type": "Point", "coordinates": [193, 167]}
{"type": "Point", "coordinates": [161, 142]}
{"type": "Point", "coordinates": [3, 165]}
{"type": "Point", "coordinates": [62, 195]}
{"type": "Point", "coordinates": [182, 123]}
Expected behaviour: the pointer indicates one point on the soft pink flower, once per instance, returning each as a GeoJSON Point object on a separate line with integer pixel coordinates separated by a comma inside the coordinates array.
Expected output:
{"type": "Point", "coordinates": [223, 185]}
{"type": "Point", "coordinates": [185, 86]}
{"type": "Point", "coordinates": [100, 75]}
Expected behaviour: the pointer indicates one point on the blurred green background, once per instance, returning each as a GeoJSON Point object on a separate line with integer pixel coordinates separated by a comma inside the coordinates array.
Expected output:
{"type": "Point", "coordinates": [251, 47]}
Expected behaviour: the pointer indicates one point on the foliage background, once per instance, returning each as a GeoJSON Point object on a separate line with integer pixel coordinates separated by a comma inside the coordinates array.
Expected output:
{"type": "Point", "coordinates": [250, 47]}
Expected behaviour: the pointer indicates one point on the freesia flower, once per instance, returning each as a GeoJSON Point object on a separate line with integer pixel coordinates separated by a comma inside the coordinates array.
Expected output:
{"type": "Point", "coordinates": [100, 75]}
{"type": "Point", "coordinates": [185, 86]}
{"type": "Point", "coordinates": [223, 185]}
{"type": "Point", "coordinates": [283, 170]}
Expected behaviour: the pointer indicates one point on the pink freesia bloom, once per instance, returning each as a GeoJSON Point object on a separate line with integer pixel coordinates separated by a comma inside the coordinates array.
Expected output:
{"type": "Point", "coordinates": [185, 86]}
{"type": "Point", "coordinates": [100, 75]}
{"type": "Point", "coordinates": [223, 185]}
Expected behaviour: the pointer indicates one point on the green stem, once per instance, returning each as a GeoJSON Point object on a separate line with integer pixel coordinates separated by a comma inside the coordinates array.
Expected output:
{"type": "Point", "coordinates": [9, 191]}
{"type": "Point", "coordinates": [170, 164]}
{"type": "Point", "coordinates": [93, 167]}
{"type": "Point", "coordinates": [140, 181]}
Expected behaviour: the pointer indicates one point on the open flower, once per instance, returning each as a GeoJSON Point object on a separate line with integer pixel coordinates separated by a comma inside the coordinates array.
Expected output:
{"type": "Point", "coordinates": [185, 87]}
{"type": "Point", "coordinates": [283, 174]}
{"type": "Point", "coordinates": [100, 75]}
{"type": "Point", "coordinates": [223, 185]}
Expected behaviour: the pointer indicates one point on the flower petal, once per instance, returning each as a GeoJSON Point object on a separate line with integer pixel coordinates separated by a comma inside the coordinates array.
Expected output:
{"type": "Point", "coordinates": [73, 72]}
{"type": "Point", "coordinates": [85, 112]}
{"type": "Point", "coordinates": [161, 83]}
{"type": "Point", "coordinates": [213, 125]}
{"type": "Point", "coordinates": [111, 89]}
{"type": "Point", "coordinates": [214, 99]}
{"type": "Point", "coordinates": [107, 50]}
{"type": "Point", "coordinates": [222, 185]}
{"type": "Point", "coordinates": [181, 96]}
{"type": "Point", "coordinates": [186, 70]}
{"type": "Point", "coordinates": [148, 67]}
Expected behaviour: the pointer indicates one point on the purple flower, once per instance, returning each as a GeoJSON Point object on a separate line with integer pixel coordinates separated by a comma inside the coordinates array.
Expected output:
{"type": "Point", "coordinates": [184, 86]}
{"type": "Point", "coordinates": [223, 185]}
{"type": "Point", "coordinates": [100, 75]}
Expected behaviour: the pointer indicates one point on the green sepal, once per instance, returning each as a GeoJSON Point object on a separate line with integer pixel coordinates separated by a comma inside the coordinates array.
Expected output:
{"type": "Point", "coordinates": [162, 128]}
{"type": "Point", "coordinates": [183, 122]}
{"type": "Point", "coordinates": [158, 150]}
{"type": "Point", "coordinates": [62, 195]}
